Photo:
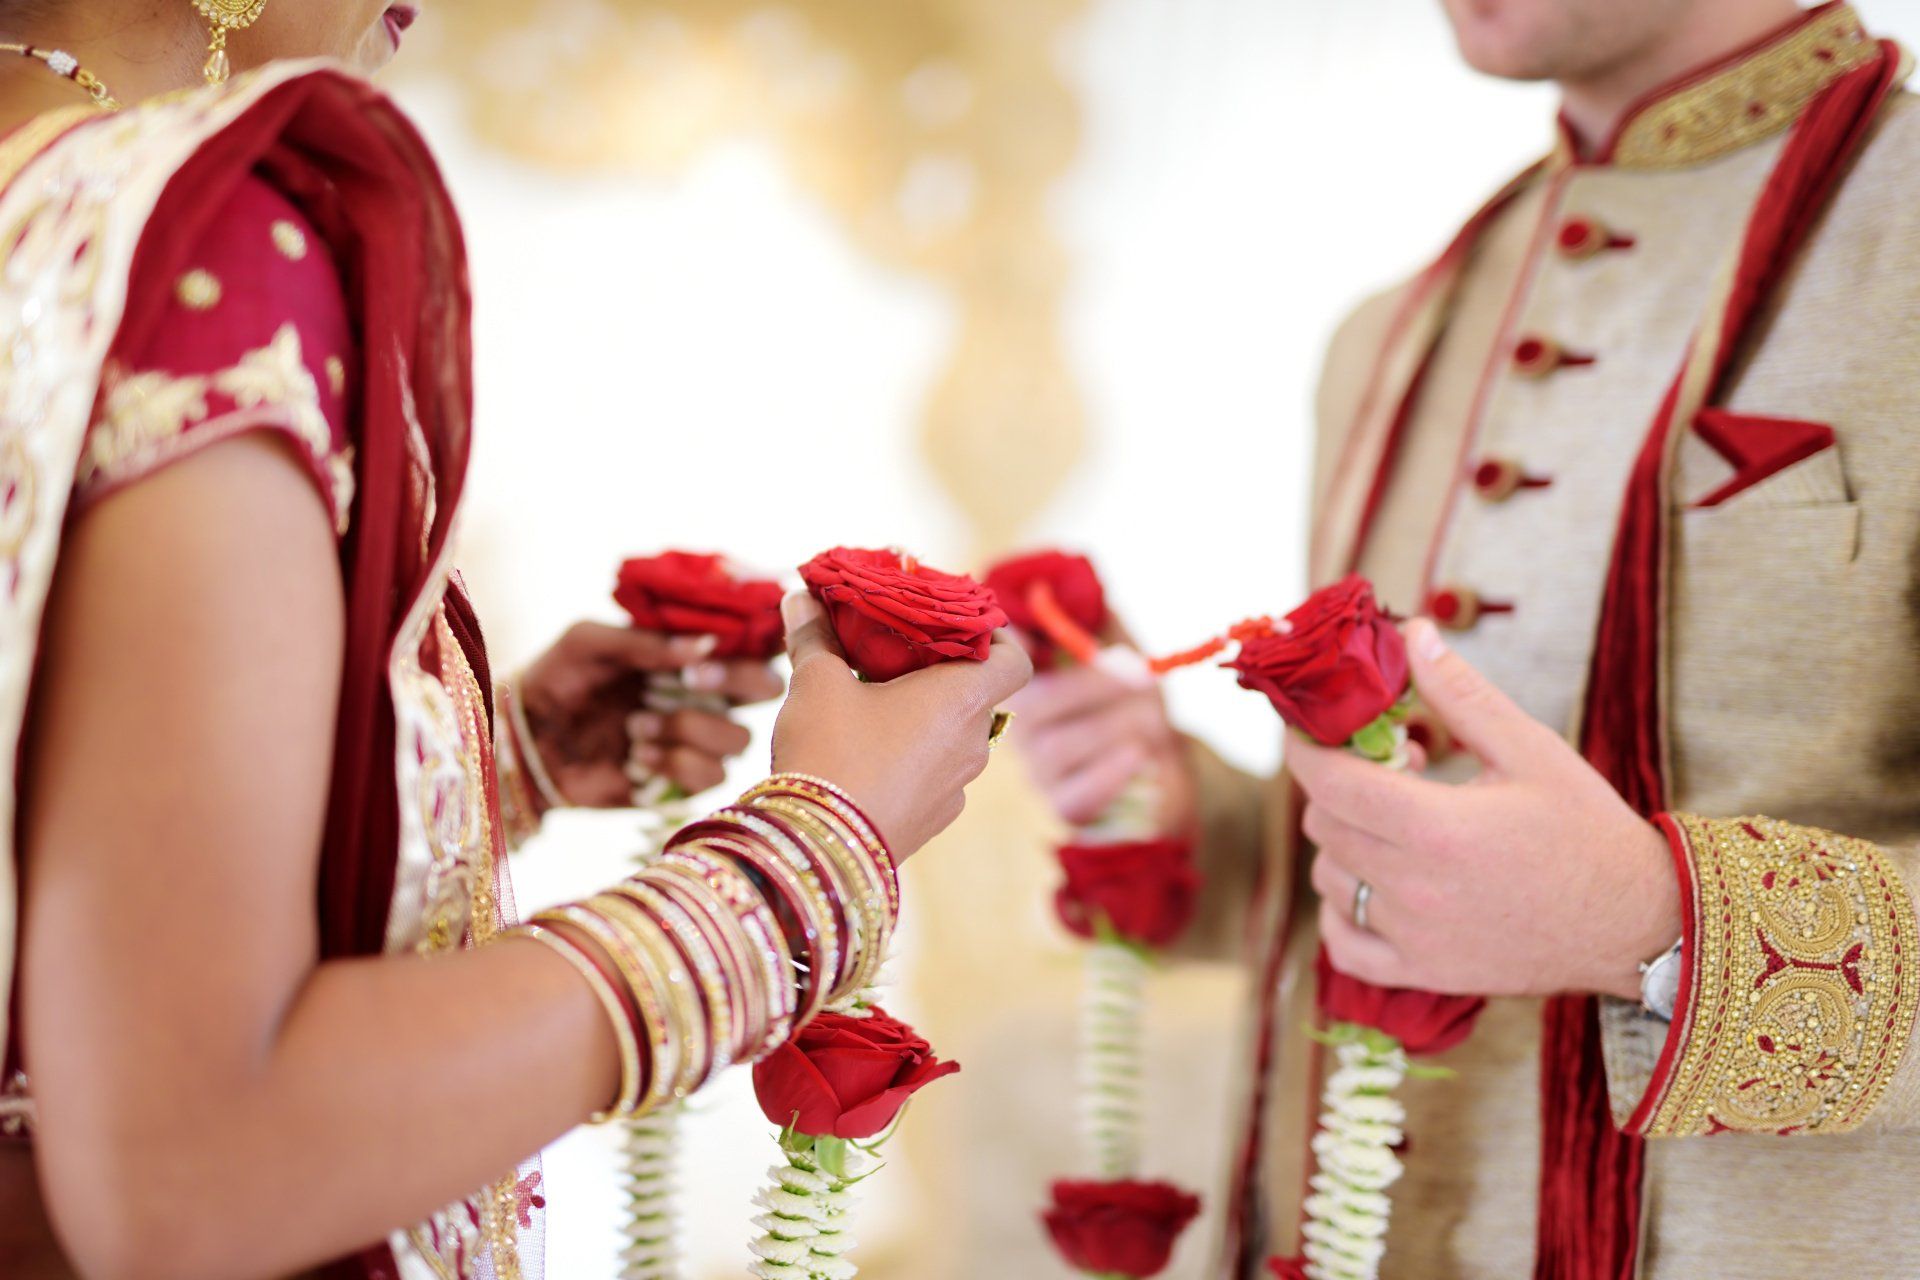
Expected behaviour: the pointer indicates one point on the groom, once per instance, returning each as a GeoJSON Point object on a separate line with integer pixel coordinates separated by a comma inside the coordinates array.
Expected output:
{"type": "Point", "coordinates": [1641, 450]}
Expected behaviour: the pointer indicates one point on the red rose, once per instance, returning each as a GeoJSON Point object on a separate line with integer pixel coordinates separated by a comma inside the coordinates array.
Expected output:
{"type": "Point", "coordinates": [1119, 1228]}
{"type": "Point", "coordinates": [1287, 1269]}
{"type": "Point", "coordinates": [1338, 666]}
{"type": "Point", "coordinates": [894, 615]}
{"type": "Point", "coordinates": [846, 1077]}
{"type": "Point", "coordinates": [1146, 889]}
{"type": "Point", "coordinates": [1422, 1021]}
{"type": "Point", "coordinates": [684, 593]}
{"type": "Point", "coordinates": [1072, 582]}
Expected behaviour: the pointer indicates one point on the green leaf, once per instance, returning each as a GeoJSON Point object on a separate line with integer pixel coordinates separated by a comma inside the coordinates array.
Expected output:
{"type": "Point", "coordinates": [1377, 741]}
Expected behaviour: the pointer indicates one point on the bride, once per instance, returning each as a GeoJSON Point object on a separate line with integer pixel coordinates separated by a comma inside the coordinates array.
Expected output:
{"type": "Point", "coordinates": [271, 1011]}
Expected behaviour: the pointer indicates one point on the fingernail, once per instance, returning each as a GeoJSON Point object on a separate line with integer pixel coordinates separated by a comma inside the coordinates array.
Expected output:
{"type": "Point", "coordinates": [707, 677]}
{"type": "Point", "coordinates": [697, 647]}
{"type": "Point", "coordinates": [647, 755]}
{"type": "Point", "coordinates": [1426, 640]}
{"type": "Point", "coordinates": [644, 725]}
{"type": "Point", "coordinates": [793, 608]}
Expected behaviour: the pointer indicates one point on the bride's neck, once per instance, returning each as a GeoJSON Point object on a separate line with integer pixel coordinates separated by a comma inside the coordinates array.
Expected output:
{"type": "Point", "coordinates": [136, 48]}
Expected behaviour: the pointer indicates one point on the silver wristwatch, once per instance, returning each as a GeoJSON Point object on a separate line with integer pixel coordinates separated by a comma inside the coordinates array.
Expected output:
{"type": "Point", "coordinates": [1660, 983]}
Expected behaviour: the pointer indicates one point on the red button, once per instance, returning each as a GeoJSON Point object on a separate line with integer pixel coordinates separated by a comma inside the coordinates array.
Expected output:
{"type": "Point", "coordinates": [1458, 608]}
{"type": "Point", "coordinates": [1582, 237]}
{"type": "Point", "coordinates": [1497, 479]}
{"type": "Point", "coordinates": [1536, 357]}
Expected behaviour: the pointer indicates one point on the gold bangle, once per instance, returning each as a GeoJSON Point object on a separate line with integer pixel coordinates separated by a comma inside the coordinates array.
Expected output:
{"type": "Point", "coordinates": [623, 1030]}
{"type": "Point", "coordinates": [739, 978]}
{"type": "Point", "coordinates": [866, 926]}
{"type": "Point", "coordinates": [687, 1027]}
{"type": "Point", "coordinates": [647, 989]}
{"type": "Point", "coordinates": [777, 856]}
{"type": "Point", "coordinates": [819, 791]}
{"type": "Point", "coordinates": [768, 951]}
{"type": "Point", "coordinates": [717, 1028]}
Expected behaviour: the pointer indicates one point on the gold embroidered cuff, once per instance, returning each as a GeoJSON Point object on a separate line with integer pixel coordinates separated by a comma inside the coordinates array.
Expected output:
{"type": "Point", "coordinates": [1796, 1000]}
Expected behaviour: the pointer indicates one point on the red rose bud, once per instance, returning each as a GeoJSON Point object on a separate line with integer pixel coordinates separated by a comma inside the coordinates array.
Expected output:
{"type": "Point", "coordinates": [1422, 1021]}
{"type": "Point", "coordinates": [893, 615]}
{"type": "Point", "coordinates": [684, 593]}
{"type": "Point", "coordinates": [1145, 890]}
{"type": "Point", "coordinates": [1071, 583]}
{"type": "Point", "coordinates": [1338, 666]}
{"type": "Point", "coordinates": [1287, 1269]}
{"type": "Point", "coordinates": [846, 1077]}
{"type": "Point", "coordinates": [1119, 1228]}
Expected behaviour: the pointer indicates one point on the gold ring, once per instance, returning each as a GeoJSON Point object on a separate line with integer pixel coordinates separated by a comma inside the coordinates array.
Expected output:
{"type": "Point", "coordinates": [1002, 721]}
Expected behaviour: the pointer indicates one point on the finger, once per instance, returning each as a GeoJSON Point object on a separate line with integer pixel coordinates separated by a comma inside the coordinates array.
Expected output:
{"type": "Point", "coordinates": [1055, 751]}
{"type": "Point", "coordinates": [645, 726]}
{"type": "Point", "coordinates": [1007, 669]}
{"type": "Point", "coordinates": [749, 682]}
{"type": "Point", "coordinates": [1472, 707]}
{"type": "Point", "coordinates": [1362, 854]}
{"type": "Point", "coordinates": [1355, 951]}
{"type": "Point", "coordinates": [714, 735]}
{"type": "Point", "coordinates": [1063, 695]}
{"type": "Point", "coordinates": [694, 770]}
{"type": "Point", "coordinates": [810, 641]}
{"type": "Point", "coordinates": [636, 649]}
{"type": "Point", "coordinates": [1363, 793]}
{"type": "Point", "coordinates": [595, 786]}
{"type": "Point", "coordinates": [1087, 794]}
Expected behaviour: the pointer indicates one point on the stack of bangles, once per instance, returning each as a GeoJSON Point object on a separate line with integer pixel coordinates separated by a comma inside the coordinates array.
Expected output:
{"type": "Point", "coordinates": [750, 923]}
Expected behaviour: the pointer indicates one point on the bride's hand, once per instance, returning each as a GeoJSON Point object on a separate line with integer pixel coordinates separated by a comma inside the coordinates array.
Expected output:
{"type": "Point", "coordinates": [585, 700]}
{"type": "Point", "coordinates": [906, 749]}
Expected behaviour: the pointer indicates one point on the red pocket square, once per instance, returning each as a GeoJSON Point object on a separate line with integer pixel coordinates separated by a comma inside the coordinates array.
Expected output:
{"type": "Point", "coordinates": [1757, 447]}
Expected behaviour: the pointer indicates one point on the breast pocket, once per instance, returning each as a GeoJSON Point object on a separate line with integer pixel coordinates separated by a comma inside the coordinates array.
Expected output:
{"type": "Point", "coordinates": [1746, 460]}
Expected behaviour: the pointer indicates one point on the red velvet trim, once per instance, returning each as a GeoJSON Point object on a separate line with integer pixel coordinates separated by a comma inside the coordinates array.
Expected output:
{"type": "Point", "coordinates": [1757, 447]}
{"type": "Point", "coordinates": [1662, 1077]}
{"type": "Point", "coordinates": [1604, 154]}
{"type": "Point", "coordinates": [1590, 1203]}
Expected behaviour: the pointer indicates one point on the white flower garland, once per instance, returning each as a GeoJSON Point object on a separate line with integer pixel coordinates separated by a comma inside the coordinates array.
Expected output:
{"type": "Point", "coordinates": [1113, 1009]}
{"type": "Point", "coordinates": [1361, 1121]}
{"type": "Point", "coordinates": [1360, 1124]}
{"type": "Point", "coordinates": [807, 1202]}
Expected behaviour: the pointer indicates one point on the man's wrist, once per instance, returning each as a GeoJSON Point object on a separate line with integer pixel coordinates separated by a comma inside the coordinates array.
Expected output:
{"type": "Point", "coordinates": [1656, 918]}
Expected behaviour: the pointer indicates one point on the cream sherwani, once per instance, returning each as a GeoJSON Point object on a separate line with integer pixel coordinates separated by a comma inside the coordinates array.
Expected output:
{"type": "Point", "coordinates": [1794, 687]}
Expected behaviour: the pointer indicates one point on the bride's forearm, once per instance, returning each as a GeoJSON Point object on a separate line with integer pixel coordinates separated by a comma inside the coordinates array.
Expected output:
{"type": "Point", "coordinates": [393, 1087]}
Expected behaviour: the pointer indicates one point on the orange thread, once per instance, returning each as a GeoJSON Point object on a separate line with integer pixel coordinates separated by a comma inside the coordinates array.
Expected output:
{"type": "Point", "coordinates": [1072, 638]}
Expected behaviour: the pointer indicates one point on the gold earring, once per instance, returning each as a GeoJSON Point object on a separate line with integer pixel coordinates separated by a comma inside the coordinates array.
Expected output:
{"type": "Point", "coordinates": [224, 16]}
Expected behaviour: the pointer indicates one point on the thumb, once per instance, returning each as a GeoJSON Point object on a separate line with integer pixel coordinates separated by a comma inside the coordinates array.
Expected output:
{"type": "Point", "coordinates": [810, 641]}
{"type": "Point", "coordinates": [1474, 710]}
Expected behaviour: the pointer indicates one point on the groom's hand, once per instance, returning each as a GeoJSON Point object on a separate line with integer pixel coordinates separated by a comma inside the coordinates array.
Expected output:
{"type": "Point", "coordinates": [1085, 733]}
{"type": "Point", "coordinates": [1532, 879]}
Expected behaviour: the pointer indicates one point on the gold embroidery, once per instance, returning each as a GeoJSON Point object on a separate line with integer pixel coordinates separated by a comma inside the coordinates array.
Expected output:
{"type": "Point", "coordinates": [1753, 99]}
{"type": "Point", "coordinates": [289, 239]}
{"type": "Point", "coordinates": [198, 290]}
{"type": "Point", "coordinates": [144, 415]}
{"type": "Point", "coordinates": [337, 375]}
{"type": "Point", "coordinates": [1800, 1003]}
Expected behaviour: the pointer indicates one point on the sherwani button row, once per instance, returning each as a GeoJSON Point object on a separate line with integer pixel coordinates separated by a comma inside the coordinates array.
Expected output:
{"type": "Point", "coordinates": [1458, 608]}
{"type": "Point", "coordinates": [1536, 357]}
{"type": "Point", "coordinates": [1582, 237]}
{"type": "Point", "coordinates": [1497, 479]}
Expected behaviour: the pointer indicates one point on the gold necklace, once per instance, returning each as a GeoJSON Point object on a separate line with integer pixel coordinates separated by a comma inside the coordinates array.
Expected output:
{"type": "Point", "coordinates": [64, 64]}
